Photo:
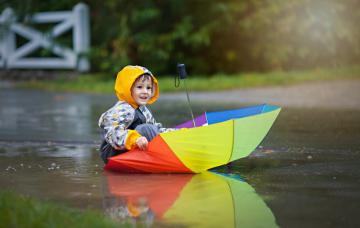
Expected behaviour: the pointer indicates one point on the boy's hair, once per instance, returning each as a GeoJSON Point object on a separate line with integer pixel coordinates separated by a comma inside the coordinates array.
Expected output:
{"type": "Point", "coordinates": [145, 77]}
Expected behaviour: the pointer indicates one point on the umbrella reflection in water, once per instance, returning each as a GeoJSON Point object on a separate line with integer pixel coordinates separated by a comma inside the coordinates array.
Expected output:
{"type": "Point", "coordinates": [202, 200]}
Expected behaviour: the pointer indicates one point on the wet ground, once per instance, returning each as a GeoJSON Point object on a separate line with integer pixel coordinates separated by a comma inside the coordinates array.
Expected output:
{"type": "Point", "coordinates": [304, 174]}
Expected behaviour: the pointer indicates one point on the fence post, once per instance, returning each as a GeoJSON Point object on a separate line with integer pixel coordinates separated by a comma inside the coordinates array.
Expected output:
{"type": "Point", "coordinates": [7, 37]}
{"type": "Point", "coordinates": [81, 36]}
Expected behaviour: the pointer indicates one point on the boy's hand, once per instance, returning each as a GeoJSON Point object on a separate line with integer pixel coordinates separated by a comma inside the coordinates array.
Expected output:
{"type": "Point", "coordinates": [142, 143]}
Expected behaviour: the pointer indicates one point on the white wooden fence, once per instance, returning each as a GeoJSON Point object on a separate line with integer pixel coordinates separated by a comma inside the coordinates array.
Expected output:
{"type": "Point", "coordinates": [13, 57]}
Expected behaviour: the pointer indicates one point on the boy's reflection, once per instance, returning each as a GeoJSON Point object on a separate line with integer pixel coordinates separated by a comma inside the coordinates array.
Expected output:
{"type": "Point", "coordinates": [191, 200]}
{"type": "Point", "coordinates": [141, 198]}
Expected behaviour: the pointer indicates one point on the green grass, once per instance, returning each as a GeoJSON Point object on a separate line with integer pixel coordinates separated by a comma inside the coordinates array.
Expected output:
{"type": "Point", "coordinates": [21, 211]}
{"type": "Point", "coordinates": [95, 83]}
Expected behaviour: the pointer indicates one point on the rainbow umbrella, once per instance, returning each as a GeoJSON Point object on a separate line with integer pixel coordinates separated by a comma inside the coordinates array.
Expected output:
{"type": "Point", "coordinates": [217, 139]}
{"type": "Point", "coordinates": [202, 200]}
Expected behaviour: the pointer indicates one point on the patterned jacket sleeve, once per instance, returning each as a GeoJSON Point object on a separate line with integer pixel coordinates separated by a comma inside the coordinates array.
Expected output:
{"type": "Point", "coordinates": [114, 123]}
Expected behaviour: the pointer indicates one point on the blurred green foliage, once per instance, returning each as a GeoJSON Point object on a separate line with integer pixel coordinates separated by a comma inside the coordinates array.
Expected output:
{"type": "Point", "coordinates": [216, 36]}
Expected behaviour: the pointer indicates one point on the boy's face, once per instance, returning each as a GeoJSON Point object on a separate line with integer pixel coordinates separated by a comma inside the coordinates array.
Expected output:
{"type": "Point", "coordinates": [141, 91]}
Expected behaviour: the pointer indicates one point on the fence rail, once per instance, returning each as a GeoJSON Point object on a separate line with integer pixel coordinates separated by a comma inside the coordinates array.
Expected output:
{"type": "Point", "coordinates": [13, 56]}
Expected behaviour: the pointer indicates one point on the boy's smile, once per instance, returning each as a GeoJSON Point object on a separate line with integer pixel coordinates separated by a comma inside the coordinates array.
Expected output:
{"type": "Point", "coordinates": [141, 91]}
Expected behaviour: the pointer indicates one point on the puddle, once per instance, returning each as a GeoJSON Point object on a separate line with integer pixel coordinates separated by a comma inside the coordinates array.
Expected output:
{"type": "Point", "coordinates": [305, 173]}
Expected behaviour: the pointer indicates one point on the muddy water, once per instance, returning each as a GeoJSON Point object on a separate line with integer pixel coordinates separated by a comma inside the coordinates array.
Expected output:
{"type": "Point", "coordinates": [305, 173]}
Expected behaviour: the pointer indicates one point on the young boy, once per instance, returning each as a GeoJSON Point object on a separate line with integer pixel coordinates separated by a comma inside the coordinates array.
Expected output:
{"type": "Point", "coordinates": [129, 124]}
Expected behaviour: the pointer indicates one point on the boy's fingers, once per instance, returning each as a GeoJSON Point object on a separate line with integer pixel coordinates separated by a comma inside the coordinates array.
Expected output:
{"type": "Point", "coordinates": [145, 144]}
{"type": "Point", "coordinates": [142, 143]}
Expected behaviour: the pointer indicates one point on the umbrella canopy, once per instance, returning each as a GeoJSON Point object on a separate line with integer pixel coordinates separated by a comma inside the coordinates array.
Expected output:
{"type": "Point", "coordinates": [217, 139]}
{"type": "Point", "coordinates": [203, 200]}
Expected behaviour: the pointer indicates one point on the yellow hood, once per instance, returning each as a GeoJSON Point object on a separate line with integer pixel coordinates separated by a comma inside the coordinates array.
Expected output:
{"type": "Point", "coordinates": [126, 78]}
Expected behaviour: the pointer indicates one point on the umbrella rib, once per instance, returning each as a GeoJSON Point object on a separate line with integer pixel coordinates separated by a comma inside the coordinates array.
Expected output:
{"type": "Point", "coordinates": [233, 140]}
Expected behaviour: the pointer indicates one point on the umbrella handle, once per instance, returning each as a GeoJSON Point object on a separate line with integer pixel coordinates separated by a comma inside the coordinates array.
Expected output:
{"type": "Point", "coordinates": [182, 76]}
{"type": "Point", "coordinates": [181, 70]}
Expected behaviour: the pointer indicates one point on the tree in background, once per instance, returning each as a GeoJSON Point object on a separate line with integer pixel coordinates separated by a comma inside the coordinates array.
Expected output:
{"type": "Point", "coordinates": [215, 36]}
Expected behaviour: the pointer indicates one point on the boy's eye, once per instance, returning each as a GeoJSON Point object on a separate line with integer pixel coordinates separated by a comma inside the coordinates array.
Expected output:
{"type": "Point", "coordinates": [139, 87]}
{"type": "Point", "coordinates": [149, 88]}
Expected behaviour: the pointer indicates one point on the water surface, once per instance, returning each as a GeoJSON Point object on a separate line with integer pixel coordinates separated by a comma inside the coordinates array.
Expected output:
{"type": "Point", "coordinates": [305, 172]}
